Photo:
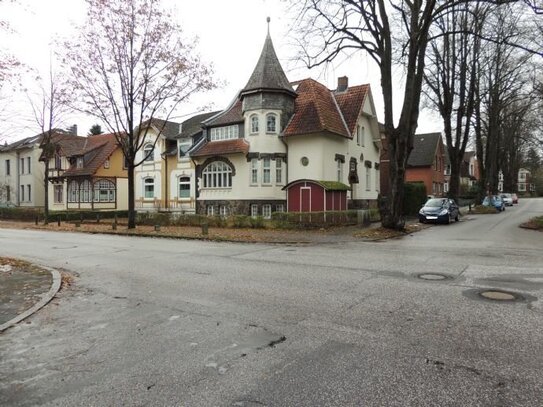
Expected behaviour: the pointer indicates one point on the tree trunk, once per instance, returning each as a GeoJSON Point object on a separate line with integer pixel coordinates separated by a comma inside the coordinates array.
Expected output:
{"type": "Point", "coordinates": [46, 193]}
{"type": "Point", "coordinates": [131, 198]}
{"type": "Point", "coordinates": [394, 217]}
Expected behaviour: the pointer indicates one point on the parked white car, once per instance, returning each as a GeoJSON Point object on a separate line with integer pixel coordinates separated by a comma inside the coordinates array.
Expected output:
{"type": "Point", "coordinates": [507, 199]}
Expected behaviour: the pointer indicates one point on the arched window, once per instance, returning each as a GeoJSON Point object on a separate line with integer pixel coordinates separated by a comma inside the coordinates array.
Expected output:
{"type": "Point", "coordinates": [85, 191]}
{"type": "Point", "coordinates": [271, 123]}
{"type": "Point", "coordinates": [73, 191]}
{"type": "Point", "coordinates": [104, 191]}
{"type": "Point", "coordinates": [217, 175]}
{"type": "Point", "coordinates": [184, 187]}
{"type": "Point", "coordinates": [149, 152]}
{"type": "Point", "coordinates": [149, 188]}
{"type": "Point", "coordinates": [254, 124]}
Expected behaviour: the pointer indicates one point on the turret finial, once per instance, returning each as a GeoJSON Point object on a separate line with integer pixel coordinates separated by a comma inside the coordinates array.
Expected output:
{"type": "Point", "coordinates": [268, 21]}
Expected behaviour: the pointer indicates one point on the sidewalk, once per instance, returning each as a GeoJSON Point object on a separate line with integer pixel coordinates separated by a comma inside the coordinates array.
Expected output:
{"type": "Point", "coordinates": [24, 288]}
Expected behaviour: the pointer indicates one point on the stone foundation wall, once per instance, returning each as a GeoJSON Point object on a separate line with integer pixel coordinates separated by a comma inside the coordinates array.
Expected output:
{"type": "Point", "coordinates": [238, 207]}
{"type": "Point", "coordinates": [362, 204]}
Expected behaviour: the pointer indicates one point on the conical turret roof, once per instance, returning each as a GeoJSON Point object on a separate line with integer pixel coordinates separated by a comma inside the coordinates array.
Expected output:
{"type": "Point", "coordinates": [268, 74]}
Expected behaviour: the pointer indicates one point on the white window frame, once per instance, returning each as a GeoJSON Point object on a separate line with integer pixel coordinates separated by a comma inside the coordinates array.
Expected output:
{"type": "Point", "coordinates": [106, 164]}
{"type": "Point", "coordinates": [271, 125]}
{"type": "Point", "coordinates": [279, 171]}
{"type": "Point", "coordinates": [339, 170]}
{"type": "Point", "coordinates": [73, 191]}
{"type": "Point", "coordinates": [79, 162]}
{"type": "Point", "coordinates": [104, 191]}
{"type": "Point", "coordinates": [85, 191]}
{"type": "Point", "coordinates": [29, 191]}
{"type": "Point", "coordinates": [254, 210]}
{"type": "Point", "coordinates": [358, 135]}
{"type": "Point", "coordinates": [58, 190]}
{"type": "Point", "coordinates": [148, 182]}
{"type": "Point", "coordinates": [266, 171]}
{"type": "Point", "coordinates": [210, 210]}
{"type": "Point", "coordinates": [254, 124]}
{"type": "Point", "coordinates": [280, 208]}
{"type": "Point", "coordinates": [254, 171]}
{"type": "Point", "coordinates": [377, 181]}
{"type": "Point", "coordinates": [28, 161]}
{"type": "Point", "coordinates": [217, 174]}
{"type": "Point", "coordinates": [22, 193]}
{"type": "Point", "coordinates": [223, 211]}
{"type": "Point", "coordinates": [266, 211]}
{"type": "Point", "coordinates": [368, 178]}
{"type": "Point", "coordinates": [224, 133]}
{"type": "Point", "coordinates": [183, 180]}
{"type": "Point", "coordinates": [22, 166]}
{"type": "Point", "coordinates": [148, 153]}
{"type": "Point", "coordinates": [363, 137]}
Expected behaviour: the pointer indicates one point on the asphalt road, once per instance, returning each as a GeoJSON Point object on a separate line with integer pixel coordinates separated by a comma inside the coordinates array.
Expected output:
{"type": "Point", "coordinates": [157, 322]}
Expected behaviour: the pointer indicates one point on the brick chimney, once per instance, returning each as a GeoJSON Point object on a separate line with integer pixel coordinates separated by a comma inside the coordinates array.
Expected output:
{"type": "Point", "coordinates": [342, 83]}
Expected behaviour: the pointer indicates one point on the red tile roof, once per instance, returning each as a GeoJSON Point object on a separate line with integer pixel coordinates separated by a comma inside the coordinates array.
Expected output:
{"type": "Point", "coordinates": [316, 110]}
{"type": "Point", "coordinates": [221, 148]}
{"type": "Point", "coordinates": [351, 102]}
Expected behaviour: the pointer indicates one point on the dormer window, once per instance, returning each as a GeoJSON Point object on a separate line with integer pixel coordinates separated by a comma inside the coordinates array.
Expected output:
{"type": "Point", "coordinates": [224, 133]}
{"type": "Point", "coordinates": [271, 123]}
{"type": "Point", "coordinates": [148, 153]}
{"type": "Point", "coordinates": [58, 162]}
{"type": "Point", "coordinates": [254, 124]}
{"type": "Point", "coordinates": [183, 148]}
{"type": "Point", "coordinates": [79, 162]}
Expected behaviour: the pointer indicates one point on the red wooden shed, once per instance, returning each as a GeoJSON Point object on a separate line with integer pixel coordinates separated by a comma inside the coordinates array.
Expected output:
{"type": "Point", "coordinates": [306, 195]}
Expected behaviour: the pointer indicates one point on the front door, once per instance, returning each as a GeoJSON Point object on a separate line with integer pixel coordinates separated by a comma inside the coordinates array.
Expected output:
{"type": "Point", "coordinates": [305, 199]}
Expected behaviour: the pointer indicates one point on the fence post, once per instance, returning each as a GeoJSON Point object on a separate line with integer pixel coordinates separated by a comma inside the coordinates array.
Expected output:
{"type": "Point", "coordinates": [205, 228]}
{"type": "Point", "coordinates": [58, 220]}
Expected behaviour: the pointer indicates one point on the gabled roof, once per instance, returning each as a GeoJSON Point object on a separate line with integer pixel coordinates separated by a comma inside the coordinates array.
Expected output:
{"type": "Point", "coordinates": [351, 102]}
{"type": "Point", "coordinates": [327, 185]}
{"type": "Point", "coordinates": [193, 126]}
{"type": "Point", "coordinates": [168, 129]}
{"type": "Point", "coordinates": [95, 151]}
{"type": "Point", "coordinates": [268, 74]}
{"type": "Point", "coordinates": [232, 114]}
{"type": "Point", "coordinates": [222, 147]}
{"type": "Point", "coordinates": [316, 110]}
{"type": "Point", "coordinates": [424, 149]}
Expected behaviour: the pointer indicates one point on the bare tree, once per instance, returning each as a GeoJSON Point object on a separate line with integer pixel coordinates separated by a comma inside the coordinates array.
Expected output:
{"type": "Point", "coordinates": [49, 107]}
{"type": "Point", "coordinates": [393, 31]}
{"type": "Point", "coordinates": [388, 31]}
{"type": "Point", "coordinates": [504, 89]}
{"type": "Point", "coordinates": [451, 78]}
{"type": "Point", "coordinates": [130, 65]}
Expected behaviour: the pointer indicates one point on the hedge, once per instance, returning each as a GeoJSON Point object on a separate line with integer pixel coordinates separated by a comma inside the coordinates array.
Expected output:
{"type": "Point", "coordinates": [414, 197]}
{"type": "Point", "coordinates": [27, 214]}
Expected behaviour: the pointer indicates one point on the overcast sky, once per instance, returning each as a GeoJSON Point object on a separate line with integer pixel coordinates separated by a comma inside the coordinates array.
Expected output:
{"type": "Point", "coordinates": [231, 35]}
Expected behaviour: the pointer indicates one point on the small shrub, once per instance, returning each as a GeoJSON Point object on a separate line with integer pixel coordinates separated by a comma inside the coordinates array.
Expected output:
{"type": "Point", "coordinates": [256, 222]}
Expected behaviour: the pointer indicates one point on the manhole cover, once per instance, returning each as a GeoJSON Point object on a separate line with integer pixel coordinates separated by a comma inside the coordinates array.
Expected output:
{"type": "Point", "coordinates": [498, 295]}
{"type": "Point", "coordinates": [432, 276]}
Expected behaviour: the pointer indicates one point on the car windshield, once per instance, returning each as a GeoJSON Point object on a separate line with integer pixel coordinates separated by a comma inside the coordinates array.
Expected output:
{"type": "Point", "coordinates": [434, 203]}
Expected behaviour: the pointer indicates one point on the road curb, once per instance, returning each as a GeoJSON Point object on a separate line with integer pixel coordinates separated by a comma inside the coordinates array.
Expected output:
{"type": "Point", "coordinates": [45, 298]}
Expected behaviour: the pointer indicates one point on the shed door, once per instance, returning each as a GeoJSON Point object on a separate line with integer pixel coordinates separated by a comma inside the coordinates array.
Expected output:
{"type": "Point", "coordinates": [305, 199]}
